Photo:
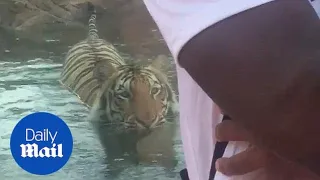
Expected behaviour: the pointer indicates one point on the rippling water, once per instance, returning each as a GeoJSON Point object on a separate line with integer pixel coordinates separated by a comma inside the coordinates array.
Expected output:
{"type": "Point", "coordinates": [30, 86]}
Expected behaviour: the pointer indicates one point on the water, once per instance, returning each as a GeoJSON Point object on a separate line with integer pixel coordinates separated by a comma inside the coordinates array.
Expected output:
{"type": "Point", "coordinates": [28, 86]}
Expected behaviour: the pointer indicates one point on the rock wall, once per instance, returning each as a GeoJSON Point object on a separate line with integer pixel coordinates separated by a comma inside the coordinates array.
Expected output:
{"type": "Point", "coordinates": [33, 28]}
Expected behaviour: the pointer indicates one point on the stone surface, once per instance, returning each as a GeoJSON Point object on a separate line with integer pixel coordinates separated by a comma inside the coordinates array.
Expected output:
{"type": "Point", "coordinates": [42, 28]}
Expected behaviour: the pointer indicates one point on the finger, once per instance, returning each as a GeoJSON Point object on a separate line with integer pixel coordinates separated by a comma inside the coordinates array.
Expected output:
{"type": "Point", "coordinates": [247, 161]}
{"type": "Point", "coordinates": [230, 131]}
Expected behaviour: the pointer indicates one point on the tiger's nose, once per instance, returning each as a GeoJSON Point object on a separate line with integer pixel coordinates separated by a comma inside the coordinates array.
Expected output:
{"type": "Point", "coordinates": [146, 123]}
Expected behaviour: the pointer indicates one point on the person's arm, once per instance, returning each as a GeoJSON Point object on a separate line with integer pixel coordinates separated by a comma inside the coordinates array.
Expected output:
{"type": "Point", "coordinates": [262, 67]}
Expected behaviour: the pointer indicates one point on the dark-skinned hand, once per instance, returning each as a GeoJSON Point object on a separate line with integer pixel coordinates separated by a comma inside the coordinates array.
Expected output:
{"type": "Point", "coordinates": [253, 158]}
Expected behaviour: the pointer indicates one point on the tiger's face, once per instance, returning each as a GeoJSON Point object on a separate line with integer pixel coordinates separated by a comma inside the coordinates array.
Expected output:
{"type": "Point", "coordinates": [137, 96]}
{"type": "Point", "coordinates": [143, 102]}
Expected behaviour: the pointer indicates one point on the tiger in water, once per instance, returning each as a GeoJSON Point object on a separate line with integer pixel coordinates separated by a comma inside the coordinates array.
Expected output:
{"type": "Point", "coordinates": [132, 95]}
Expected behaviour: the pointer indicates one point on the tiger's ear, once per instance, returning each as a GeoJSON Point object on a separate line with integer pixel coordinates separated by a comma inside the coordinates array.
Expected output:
{"type": "Point", "coordinates": [161, 62]}
{"type": "Point", "coordinates": [103, 70]}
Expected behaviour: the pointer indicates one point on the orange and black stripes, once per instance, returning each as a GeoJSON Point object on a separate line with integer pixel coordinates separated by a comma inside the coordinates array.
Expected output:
{"type": "Point", "coordinates": [113, 92]}
{"type": "Point", "coordinates": [82, 59]}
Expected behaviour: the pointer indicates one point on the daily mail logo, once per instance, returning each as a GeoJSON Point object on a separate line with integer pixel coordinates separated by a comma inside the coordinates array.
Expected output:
{"type": "Point", "coordinates": [32, 150]}
{"type": "Point", "coordinates": [41, 143]}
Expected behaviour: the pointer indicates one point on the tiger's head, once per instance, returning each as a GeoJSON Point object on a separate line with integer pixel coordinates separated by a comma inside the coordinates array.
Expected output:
{"type": "Point", "coordinates": [137, 96]}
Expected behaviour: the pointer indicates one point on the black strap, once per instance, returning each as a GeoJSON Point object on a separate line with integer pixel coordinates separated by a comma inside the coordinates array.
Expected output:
{"type": "Point", "coordinates": [218, 153]}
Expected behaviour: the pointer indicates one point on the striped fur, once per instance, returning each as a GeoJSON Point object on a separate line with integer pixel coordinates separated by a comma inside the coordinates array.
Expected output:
{"type": "Point", "coordinates": [131, 95]}
{"type": "Point", "coordinates": [81, 60]}
{"type": "Point", "coordinates": [137, 96]}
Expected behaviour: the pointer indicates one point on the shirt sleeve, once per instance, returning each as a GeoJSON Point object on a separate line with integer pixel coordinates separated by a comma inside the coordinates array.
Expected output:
{"type": "Point", "coordinates": [180, 20]}
{"type": "Point", "coordinates": [316, 5]}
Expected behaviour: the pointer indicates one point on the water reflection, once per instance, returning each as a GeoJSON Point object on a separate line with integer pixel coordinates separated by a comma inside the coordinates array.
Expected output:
{"type": "Point", "coordinates": [133, 148]}
{"type": "Point", "coordinates": [31, 85]}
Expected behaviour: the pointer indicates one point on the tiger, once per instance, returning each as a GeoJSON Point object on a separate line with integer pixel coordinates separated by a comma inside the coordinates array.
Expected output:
{"type": "Point", "coordinates": [130, 94]}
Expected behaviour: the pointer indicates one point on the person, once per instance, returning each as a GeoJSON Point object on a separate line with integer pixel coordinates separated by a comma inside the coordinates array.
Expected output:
{"type": "Point", "coordinates": [256, 61]}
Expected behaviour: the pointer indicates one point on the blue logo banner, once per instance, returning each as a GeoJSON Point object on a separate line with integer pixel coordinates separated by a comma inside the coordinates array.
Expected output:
{"type": "Point", "coordinates": [41, 143]}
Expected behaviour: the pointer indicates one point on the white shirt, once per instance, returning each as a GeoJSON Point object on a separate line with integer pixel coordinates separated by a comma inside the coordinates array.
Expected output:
{"type": "Point", "coordinates": [178, 21]}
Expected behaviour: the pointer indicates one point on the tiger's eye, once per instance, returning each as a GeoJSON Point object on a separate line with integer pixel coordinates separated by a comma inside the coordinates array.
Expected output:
{"type": "Point", "coordinates": [155, 90]}
{"type": "Point", "coordinates": [125, 95]}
